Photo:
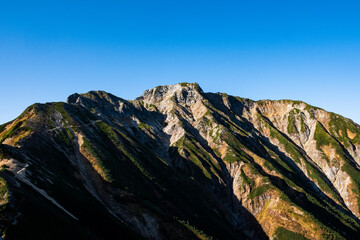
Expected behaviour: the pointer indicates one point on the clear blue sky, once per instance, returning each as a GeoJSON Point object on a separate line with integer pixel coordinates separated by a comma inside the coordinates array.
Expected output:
{"type": "Point", "coordinates": [306, 50]}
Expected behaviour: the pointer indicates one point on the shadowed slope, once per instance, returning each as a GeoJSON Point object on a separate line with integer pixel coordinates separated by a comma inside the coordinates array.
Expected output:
{"type": "Point", "coordinates": [178, 163]}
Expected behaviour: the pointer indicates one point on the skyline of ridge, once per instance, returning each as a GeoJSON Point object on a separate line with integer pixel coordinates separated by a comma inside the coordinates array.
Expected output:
{"type": "Point", "coordinates": [136, 97]}
{"type": "Point", "coordinates": [300, 50]}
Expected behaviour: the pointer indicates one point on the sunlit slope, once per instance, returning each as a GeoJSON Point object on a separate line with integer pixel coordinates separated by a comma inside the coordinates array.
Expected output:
{"type": "Point", "coordinates": [178, 163]}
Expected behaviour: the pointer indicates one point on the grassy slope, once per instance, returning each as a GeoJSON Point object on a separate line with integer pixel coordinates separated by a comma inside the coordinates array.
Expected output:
{"type": "Point", "coordinates": [323, 212]}
{"type": "Point", "coordinates": [133, 167]}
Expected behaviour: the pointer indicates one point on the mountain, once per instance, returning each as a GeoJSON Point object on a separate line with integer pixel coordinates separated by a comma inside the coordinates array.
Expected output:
{"type": "Point", "coordinates": [179, 163]}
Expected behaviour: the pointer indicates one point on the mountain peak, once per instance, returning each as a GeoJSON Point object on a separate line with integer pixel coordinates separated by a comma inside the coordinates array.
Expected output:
{"type": "Point", "coordinates": [95, 95]}
{"type": "Point", "coordinates": [187, 93]}
{"type": "Point", "coordinates": [179, 160]}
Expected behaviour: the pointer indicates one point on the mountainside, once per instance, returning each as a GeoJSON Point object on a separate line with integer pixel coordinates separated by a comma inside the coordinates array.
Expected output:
{"type": "Point", "coordinates": [178, 163]}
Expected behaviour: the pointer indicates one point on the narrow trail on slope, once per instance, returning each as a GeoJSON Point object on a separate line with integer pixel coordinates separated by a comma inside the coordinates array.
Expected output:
{"type": "Point", "coordinates": [60, 127]}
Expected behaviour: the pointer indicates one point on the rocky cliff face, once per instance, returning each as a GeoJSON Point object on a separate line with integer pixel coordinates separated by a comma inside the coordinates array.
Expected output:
{"type": "Point", "coordinates": [178, 163]}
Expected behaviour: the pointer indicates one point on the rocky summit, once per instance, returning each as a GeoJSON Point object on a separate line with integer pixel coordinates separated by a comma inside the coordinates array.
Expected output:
{"type": "Point", "coordinates": [179, 163]}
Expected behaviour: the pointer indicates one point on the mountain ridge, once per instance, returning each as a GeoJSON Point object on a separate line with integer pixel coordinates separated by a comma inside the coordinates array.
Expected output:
{"type": "Point", "coordinates": [177, 159]}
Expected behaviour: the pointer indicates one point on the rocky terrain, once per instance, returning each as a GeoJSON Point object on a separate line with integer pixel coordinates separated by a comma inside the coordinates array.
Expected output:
{"type": "Point", "coordinates": [178, 163]}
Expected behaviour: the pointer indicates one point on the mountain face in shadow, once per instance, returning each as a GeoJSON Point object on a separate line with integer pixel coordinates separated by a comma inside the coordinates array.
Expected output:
{"type": "Point", "coordinates": [178, 163]}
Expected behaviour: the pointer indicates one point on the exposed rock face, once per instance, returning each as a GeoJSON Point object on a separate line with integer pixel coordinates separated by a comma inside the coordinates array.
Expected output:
{"type": "Point", "coordinates": [178, 163]}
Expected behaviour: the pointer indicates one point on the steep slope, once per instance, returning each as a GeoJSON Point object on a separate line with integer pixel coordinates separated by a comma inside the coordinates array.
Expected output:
{"type": "Point", "coordinates": [178, 163]}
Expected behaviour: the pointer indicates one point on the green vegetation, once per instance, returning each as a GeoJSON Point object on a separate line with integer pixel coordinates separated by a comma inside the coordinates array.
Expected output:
{"type": "Point", "coordinates": [4, 192]}
{"type": "Point", "coordinates": [292, 102]}
{"type": "Point", "coordinates": [354, 173]}
{"type": "Point", "coordinates": [323, 138]}
{"type": "Point", "coordinates": [69, 133]}
{"type": "Point", "coordinates": [217, 152]}
{"type": "Point", "coordinates": [289, 147]}
{"type": "Point", "coordinates": [90, 95]}
{"type": "Point", "coordinates": [72, 115]}
{"type": "Point", "coordinates": [199, 233]}
{"type": "Point", "coordinates": [311, 110]}
{"type": "Point", "coordinates": [284, 101]}
{"type": "Point", "coordinates": [231, 140]}
{"type": "Point", "coordinates": [316, 209]}
{"type": "Point", "coordinates": [59, 106]}
{"type": "Point", "coordinates": [192, 180]}
{"type": "Point", "coordinates": [277, 160]}
{"type": "Point", "coordinates": [285, 234]}
{"type": "Point", "coordinates": [50, 123]}
{"type": "Point", "coordinates": [294, 116]}
{"type": "Point", "coordinates": [246, 179]}
{"type": "Point", "coordinates": [320, 212]}
{"type": "Point", "coordinates": [199, 156]}
{"type": "Point", "coordinates": [292, 129]}
{"type": "Point", "coordinates": [258, 191]}
{"type": "Point", "coordinates": [27, 110]}
{"type": "Point", "coordinates": [303, 126]}
{"type": "Point", "coordinates": [64, 135]}
{"type": "Point", "coordinates": [206, 121]}
{"type": "Point", "coordinates": [235, 156]}
{"type": "Point", "coordinates": [339, 127]}
{"type": "Point", "coordinates": [150, 106]}
{"type": "Point", "coordinates": [3, 167]}
{"type": "Point", "coordinates": [316, 175]}
{"type": "Point", "coordinates": [244, 100]}
{"type": "Point", "coordinates": [113, 134]}
{"type": "Point", "coordinates": [217, 134]}
{"type": "Point", "coordinates": [108, 131]}
{"type": "Point", "coordinates": [283, 167]}
{"type": "Point", "coordinates": [194, 85]}
{"type": "Point", "coordinates": [144, 126]}
{"type": "Point", "coordinates": [3, 126]}
{"type": "Point", "coordinates": [136, 162]}
{"type": "Point", "coordinates": [14, 130]}
{"type": "Point", "coordinates": [99, 157]}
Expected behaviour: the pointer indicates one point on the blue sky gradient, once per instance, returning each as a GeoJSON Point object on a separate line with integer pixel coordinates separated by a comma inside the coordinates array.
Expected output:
{"type": "Point", "coordinates": [301, 50]}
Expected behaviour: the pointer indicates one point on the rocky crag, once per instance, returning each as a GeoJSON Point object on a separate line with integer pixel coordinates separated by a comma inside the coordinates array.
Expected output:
{"type": "Point", "coordinates": [178, 163]}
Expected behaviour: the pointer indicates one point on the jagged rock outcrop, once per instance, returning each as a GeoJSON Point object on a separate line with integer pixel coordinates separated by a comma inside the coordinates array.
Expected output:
{"type": "Point", "coordinates": [178, 163]}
